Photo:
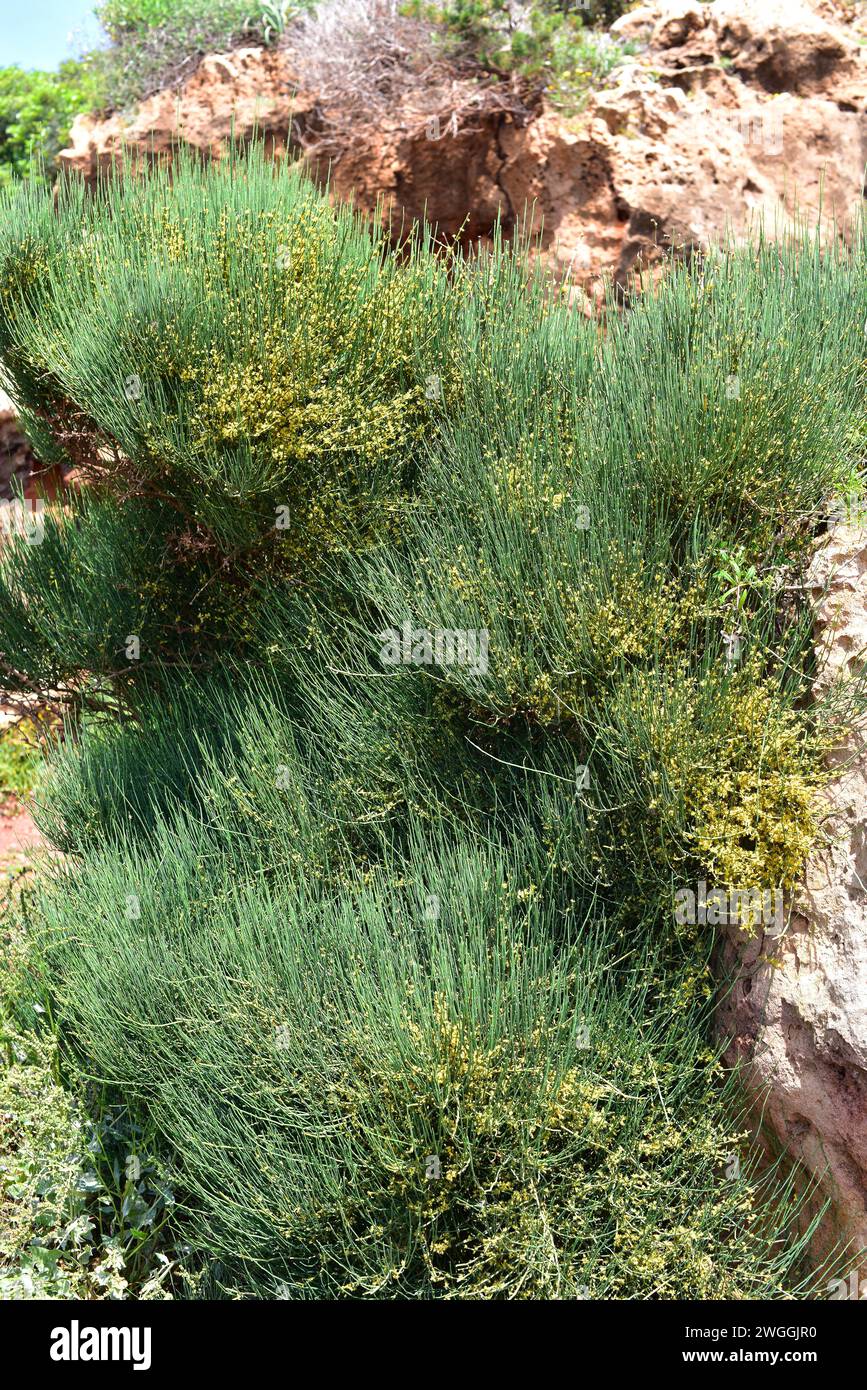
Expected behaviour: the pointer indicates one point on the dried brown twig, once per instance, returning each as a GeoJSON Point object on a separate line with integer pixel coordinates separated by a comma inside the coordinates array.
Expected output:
{"type": "Point", "coordinates": [367, 64]}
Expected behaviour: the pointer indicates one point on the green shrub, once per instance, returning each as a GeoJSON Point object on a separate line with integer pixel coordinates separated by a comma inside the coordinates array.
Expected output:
{"type": "Point", "coordinates": [157, 44]}
{"type": "Point", "coordinates": [311, 995]}
{"type": "Point", "coordinates": [83, 1202]}
{"type": "Point", "coordinates": [375, 1096]}
{"type": "Point", "coordinates": [37, 110]}
{"type": "Point", "coordinates": [297, 444]}
{"type": "Point", "coordinates": [246, 370]}
{"type": "Point", "coordinates": [575, 508]}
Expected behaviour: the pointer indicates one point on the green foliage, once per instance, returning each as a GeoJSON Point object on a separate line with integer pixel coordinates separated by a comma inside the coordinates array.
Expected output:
{"type": "Point", "coordinates": [83, 1203]}
{"type": "Point", "coordinates": [119, 17]}
{"type": "Point", "coordinates": [549, 44]}
{"type": "Point", "coordinates": [37, 110]}
{"type": "Point", "coordinates": [326, 914]}
{"type": "Point", "coordinates": [377, 1098]}
{"type": "Point", "coordinates": [158, 43]}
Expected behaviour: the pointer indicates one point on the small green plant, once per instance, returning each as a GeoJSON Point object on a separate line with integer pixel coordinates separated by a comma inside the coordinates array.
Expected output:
{"type": "Point", "coordinates": [83, 1204]}
{"type": "Point", "coordinates": [738, 578]}
{"type": "Point", "coordinates": [275, 18]}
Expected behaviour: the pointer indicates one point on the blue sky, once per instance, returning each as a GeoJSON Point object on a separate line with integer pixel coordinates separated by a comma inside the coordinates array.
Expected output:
{"type": "Point", "coordinates": [41, 33]}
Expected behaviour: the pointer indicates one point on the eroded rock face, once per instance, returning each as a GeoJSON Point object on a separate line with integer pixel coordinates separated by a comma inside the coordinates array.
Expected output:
{"type": "Point", "coordinates": [778, 46]}
{"type": "Point", "coordinates": [248, 90]}
{"type": "Point", "coordinates": [408, 161]}
{"type": "Point", "coordinates": [797, 1015]}
{"type": "Point", "coordinates": [729, 111]}
{"type": "Point", "coordinates": [735, 111]}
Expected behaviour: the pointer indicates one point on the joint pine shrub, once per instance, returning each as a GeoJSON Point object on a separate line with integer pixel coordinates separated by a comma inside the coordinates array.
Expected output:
{"type": "Point", "coordinates": [419, 640]}
{"type": "Point", "coordinates": [432, 1084]}
{"type": "Point", "coordinates": [237, 360]}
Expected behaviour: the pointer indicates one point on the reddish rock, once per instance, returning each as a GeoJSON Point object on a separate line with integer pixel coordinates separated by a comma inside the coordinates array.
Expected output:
{"type": "Point", "coordinates": [732, 111]}
{"type": "Point", "coordinates": [797, 1012]}
{"type": "Point", "coordinates": [250, 91]}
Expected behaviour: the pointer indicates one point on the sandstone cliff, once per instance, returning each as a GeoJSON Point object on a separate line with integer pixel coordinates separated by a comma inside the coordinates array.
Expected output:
{"type": "Point", "coordinates": [727, 111]}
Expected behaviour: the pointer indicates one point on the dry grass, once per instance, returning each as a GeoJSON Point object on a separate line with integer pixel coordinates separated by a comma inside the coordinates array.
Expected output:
{"type": "Point", "coordinates": [370, 65]}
